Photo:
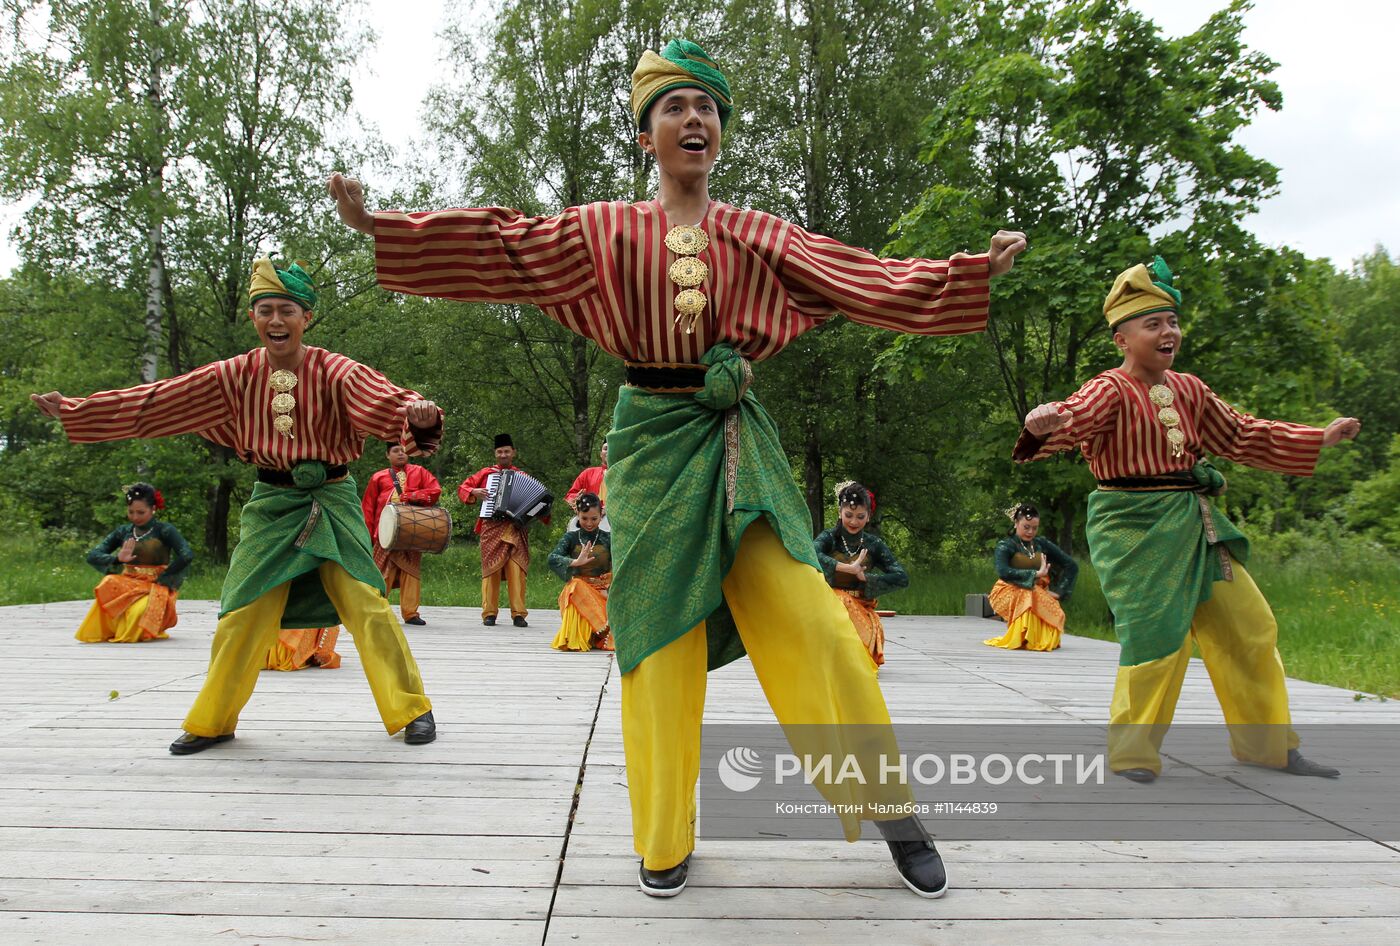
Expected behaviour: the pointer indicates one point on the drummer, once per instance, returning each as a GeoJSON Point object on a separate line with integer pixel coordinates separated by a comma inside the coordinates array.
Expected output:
{"type": "Point", "coordinates": [591, 481]}
{"type": "Point", "coordinates": [402, 482]}
{"type": "Point", "coordinates": [505, 546]}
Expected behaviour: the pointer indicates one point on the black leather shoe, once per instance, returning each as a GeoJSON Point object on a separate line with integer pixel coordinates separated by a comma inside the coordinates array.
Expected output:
{"type": "Point", "coordinates": [519, 621]}
{"type": "Point", "coordinates": [416, 621]}
{"type": "Point", "coordinates": [421, 731]}
{"type": "Point", "coordinates": [1297, 765]}
{"type": "Point", "coordinates": [489, 620]}
{"type": "Point", "coordinates": [189, 744]}
{"type": "Point", "coordinates": [663, 883]}
{"type": "Point", "coordinates": [1137, 775]}
{"type": "Point", "coordinates": [915, 857]}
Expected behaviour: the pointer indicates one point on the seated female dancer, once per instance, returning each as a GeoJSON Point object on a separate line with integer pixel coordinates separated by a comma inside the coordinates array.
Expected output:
{"type": "Point", "coordinates": [145, 561]}
{"type": "Point", "coordinates": [307, 647]}
{"type": "Point", "coordinates": [1026, 597]}
{"type": "Point", "coordinates": [847, 554]}
{"type": "Point", "coordinates": [583, 559]}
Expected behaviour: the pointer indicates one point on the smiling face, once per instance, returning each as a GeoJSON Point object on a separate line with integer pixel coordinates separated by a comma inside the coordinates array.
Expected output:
{"type": "Point", "coordinates": [588, 519]}
{"type": "Point", "coordinates": [854, 518]}
{"type": "Point", "coordinates": [1150, 341]}
{"type": "Point", "coordinates": [682, 130]}
{"type": "Point", "coordinates": [280, 324]}
{"type": "Point", "coordinates": [505, 456]}
{"type": "Point", "coordinates": [139, 512]}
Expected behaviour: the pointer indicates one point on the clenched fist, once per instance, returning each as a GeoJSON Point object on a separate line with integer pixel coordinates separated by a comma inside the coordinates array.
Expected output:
{"type": "Point", "coordinates": [1047, 418]}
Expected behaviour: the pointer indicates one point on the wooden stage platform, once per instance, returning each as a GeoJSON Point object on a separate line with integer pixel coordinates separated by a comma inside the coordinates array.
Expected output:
{"type": "Point", "coordinates": [313, 826]}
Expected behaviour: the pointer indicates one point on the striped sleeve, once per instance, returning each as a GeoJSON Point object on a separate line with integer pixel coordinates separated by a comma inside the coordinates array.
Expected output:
{"type": "Point", "coordinates": [1092, 409]}
{"type": "Point", "coordinates": [373, 403]}
{"type": "Point", "coordinates": [487, 254]}
{"type": "Point", "coordinates": [919, 296]}
{"type": "Point", "coordinates": [1265, 444]}
{"type": "Point", "coordinates": [181, 405]}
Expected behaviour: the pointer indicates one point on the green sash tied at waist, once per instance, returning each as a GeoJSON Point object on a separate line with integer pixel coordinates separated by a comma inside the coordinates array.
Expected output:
{"type": "Point", "coordinates": [687, 474]}
{"type": "Point", "coordinates": [1157, 553]}
{"type": "Point", "coordinates": [285, 533]}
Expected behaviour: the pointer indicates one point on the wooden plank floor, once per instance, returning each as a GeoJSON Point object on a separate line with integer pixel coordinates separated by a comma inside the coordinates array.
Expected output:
{"type": "Point", "coordinates": [313, 826]}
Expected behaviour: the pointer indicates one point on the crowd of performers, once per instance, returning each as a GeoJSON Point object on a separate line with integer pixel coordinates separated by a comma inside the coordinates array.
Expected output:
{"type": "Point", "coordinates": [708, 554]}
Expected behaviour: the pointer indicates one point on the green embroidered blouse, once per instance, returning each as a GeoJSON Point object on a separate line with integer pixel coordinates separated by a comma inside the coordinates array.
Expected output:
{"type": "Point", "coordinates": [162, 545]}
{"type": "Point", "coordinates": [836, 545]}
{"type": "Point", "coordinates": [1011, 557]}
{"type": "Point", "coordinates": [568, 548]}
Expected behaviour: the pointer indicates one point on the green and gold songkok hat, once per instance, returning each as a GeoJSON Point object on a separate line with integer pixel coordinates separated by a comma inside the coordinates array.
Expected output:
{"type": "Point", "coordinates": [681, 65]}
{"type": "Point", "coordinates": [269, 282]}
{"type": "Point", "coordinates": [1141, 291]}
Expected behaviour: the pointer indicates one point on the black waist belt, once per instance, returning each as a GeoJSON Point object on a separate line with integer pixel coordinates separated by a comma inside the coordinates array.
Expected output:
{"type": "Point", "coordinates": [1167, 481]}
{"type": "Point", "coordinates": [666, 378]}
{"type": "Point", "coordinates": [284, 477]}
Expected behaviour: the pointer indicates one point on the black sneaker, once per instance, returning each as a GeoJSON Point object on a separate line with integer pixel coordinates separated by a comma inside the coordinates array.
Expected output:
{"type": "Point", "coordinates": [189, 743]}
{"type": "Point", "coordinates": [1137, 775]}
{"type": "Point", "coordinates": [416, 621]}
{"type": "Point", "coordinates": [1297, 765]}
{"type": "Point", "coordinates": [663, 883]}
{"type": "Point", "coordinates": [915, 857]}
{"type": "Point", "coordinates": [520, 621]}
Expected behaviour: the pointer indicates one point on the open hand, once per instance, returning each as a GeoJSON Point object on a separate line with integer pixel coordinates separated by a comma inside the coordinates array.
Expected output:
{"type": "Point", "coordinates": [1044, 568]}
{"type": "Point", "coordinates": [127, 552]}
{"type": "Point", "coordinates": [349, 197]}
{"type": "Point", "coordinates": [585, 556]}
{"type": "Point", "coordinates": [48, 403]}
{"type": "Point", "coordinates": [1005, 247]}
{"type": "Point", "coordinates": [1047, 418]}
{"type": "Point", "coordinates": [1343, 428]}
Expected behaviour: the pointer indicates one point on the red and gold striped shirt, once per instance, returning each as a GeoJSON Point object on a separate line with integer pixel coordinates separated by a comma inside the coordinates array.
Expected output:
{"type": "Point", "coordinates": [1115, 426]}
{"type": "Point", "coordinates": [601, 271]}
{"type": "Point", "coordinates": [339, 402]}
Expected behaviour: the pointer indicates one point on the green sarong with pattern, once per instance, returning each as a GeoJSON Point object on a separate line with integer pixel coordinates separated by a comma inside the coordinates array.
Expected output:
{"type": "Point", "coordinates": [285, 533]}
{"type": "Point", "coordinates": [1157, 554]}
{"type": "Point", "coordinates": [687, 474]}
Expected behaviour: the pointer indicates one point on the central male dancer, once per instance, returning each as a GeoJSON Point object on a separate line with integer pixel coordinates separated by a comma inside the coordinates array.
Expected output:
{"type": "Point", "coordinates": [712, 541]}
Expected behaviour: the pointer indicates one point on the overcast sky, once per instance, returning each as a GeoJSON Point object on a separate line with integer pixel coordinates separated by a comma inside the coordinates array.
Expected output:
{"type": "Point", "coordinates": [1336, 139]}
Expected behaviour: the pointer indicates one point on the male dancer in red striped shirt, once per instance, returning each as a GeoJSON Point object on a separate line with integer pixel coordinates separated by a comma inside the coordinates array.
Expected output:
{"type": "Point", "coordinates": [712, 541]}
{"type": "Point", "coordinates": [299, 414]}
{"type": "Point", "coordinates": [1171, 565]}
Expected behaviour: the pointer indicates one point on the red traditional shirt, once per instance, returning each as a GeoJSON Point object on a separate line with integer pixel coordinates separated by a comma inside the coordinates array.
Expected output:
{"type": "Point", "coordinates": [413, 484]}
{"type": "Point", "coordinates": [589, 481]}
{"type": "Point", "coordinates": [339, 403]}
{"type": "Point", "coordinates": [601, 271]}
{"type": "Point", "coordinates": [1115, 426]}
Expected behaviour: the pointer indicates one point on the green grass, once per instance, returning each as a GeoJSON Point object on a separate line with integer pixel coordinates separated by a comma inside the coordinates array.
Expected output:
{"type": "Point", "coordinates": [1338, 612]}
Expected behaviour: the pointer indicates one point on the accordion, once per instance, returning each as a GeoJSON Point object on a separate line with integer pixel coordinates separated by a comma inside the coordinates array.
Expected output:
{"type": "Point", "coordinates": [516, 496]}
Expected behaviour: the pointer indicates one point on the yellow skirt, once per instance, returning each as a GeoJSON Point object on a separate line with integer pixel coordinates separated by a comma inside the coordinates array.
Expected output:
{"type": "Point", "coordinates": [130, 608]}
{"type": "Point", "coordinates": [583, 612]}
{"type": "Point", "coordinates": [867, 623]}
{"type": "Point", "coordinates": [300, 649]}
{"type": "Point", "coordinates": [1033, 616]}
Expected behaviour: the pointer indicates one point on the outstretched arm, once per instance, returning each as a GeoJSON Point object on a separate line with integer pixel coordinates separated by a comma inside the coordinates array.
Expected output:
{"type": "Point", "coordinates": [1268, 444]}
{"type": "Point", "coordinates": [1057, 426]}
{"type": "Point", "coordinates": [181, 405]}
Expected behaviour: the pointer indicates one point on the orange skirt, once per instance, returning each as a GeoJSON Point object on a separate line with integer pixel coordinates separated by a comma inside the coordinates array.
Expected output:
{"type": "Point", "coordinates": [868, 624]}
{"type": "Point", "coordinates": [1033, 616]}
{"type": "Point", "coordinates": [583, 612]}
{"type": "Point", "coordinates": [130, 608]}
{"type": "Point", "coordinates": [299, 649]}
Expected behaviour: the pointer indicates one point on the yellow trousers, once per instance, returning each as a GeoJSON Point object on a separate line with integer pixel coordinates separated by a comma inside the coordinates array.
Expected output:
{"type": "Point", "coordinates": [410, 590]}
{"type": "Point", "coordinates": [243, 638]}
{"type": "Point", "coordinates": [814, 670]}
{"type": "Point", "coordinates": [515, 590]}
{"type": "Point", "coordinates": [1238, 638]}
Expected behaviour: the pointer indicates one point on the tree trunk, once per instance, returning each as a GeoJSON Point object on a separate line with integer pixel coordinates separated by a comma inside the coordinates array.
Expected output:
{"type": "Point", "coordinates": [220, 504]}
{"type": "Point", "coordinates": [155, 235]}
{"type": "Point", "coordinates": [1065, 507]}
{"type": "Point", "coordinates": [579, 385]}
